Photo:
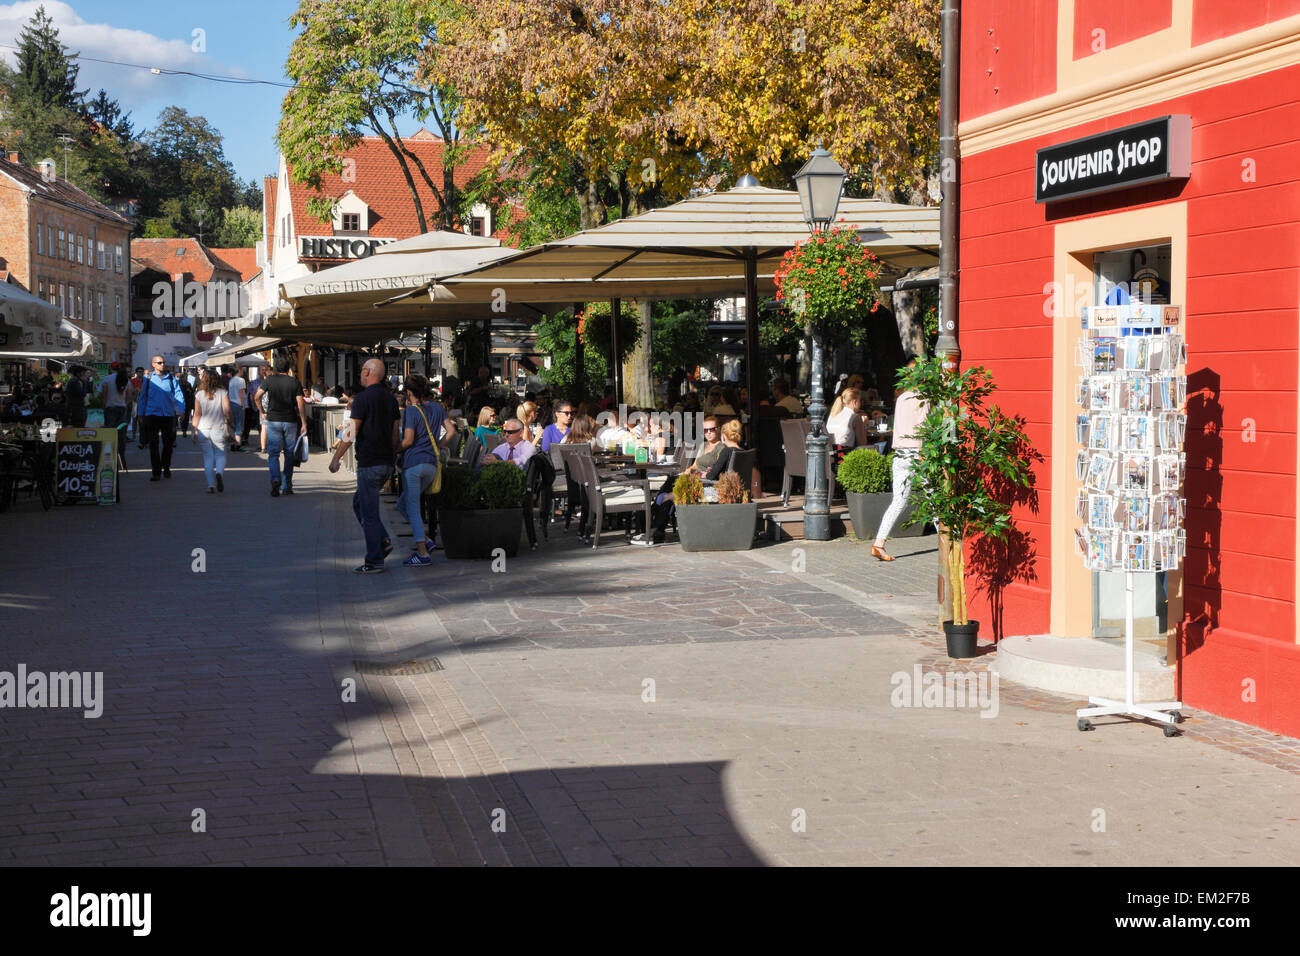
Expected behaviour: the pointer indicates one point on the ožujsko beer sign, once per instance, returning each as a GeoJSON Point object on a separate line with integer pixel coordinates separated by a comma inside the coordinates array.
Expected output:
{"type": "Point", "coordinates": [1145, 152]}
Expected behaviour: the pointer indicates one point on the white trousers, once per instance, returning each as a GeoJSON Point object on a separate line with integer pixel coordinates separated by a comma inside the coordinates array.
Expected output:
{"type": "Point", "coordinates": [902, 473]}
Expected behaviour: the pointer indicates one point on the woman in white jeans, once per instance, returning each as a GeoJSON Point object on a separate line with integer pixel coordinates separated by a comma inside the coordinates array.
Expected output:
{"type": "Point", "coordinates": [212, 427]}
{"type": "Point", "coordinates": [909, 412]}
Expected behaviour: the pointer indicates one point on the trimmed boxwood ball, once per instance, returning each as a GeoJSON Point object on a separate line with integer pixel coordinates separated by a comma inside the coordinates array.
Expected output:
{"type": "Point", "coordinates": [866, 471]}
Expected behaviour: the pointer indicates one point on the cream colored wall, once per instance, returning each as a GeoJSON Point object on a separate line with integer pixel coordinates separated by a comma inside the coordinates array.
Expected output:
{"type": "Point", "coordinates": [1074, 245]}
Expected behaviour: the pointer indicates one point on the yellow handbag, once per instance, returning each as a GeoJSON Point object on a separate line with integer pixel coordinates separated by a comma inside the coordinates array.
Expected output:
{"type": "Point", "coordinates": [437, 458]}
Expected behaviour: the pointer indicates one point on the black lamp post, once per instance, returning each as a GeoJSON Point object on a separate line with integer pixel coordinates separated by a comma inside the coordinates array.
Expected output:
{"type": "Point", "coordinates": [819, 183]}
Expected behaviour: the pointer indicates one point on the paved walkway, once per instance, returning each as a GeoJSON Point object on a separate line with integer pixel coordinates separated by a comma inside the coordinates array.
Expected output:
{"type": "Point", "coordinates": [618, 706]}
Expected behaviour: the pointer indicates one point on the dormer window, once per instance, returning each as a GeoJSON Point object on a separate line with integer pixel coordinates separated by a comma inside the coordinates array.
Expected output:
{"type": "Point", "coordinates": [351, 215]}
{"type": "Point", "coordinates": [351, 222]}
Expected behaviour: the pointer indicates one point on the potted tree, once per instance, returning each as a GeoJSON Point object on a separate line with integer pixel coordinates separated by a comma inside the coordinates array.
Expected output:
{"type": "Point", "coordinates": [727, 525]}
{"type": "Point", "coordinates": [867, 478]}
{"type": "Point", "coordinates": [973, 459]}
{"type": "Point", "coordinates": [479, 513]}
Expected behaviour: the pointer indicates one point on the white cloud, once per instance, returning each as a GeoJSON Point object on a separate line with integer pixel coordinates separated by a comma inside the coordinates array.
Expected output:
{"type": "Point", "coordinates": [137, 90]}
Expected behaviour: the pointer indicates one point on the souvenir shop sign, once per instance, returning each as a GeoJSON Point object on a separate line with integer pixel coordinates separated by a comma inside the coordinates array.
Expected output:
{"type": "Point", "coordinates": [1145, 152]}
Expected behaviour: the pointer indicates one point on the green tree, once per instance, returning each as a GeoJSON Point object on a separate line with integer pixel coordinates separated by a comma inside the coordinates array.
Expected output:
{"type": "Point", "coordinates": [355, 65]}
{"type": "Point", "coordinates": [187, 161]}
{"type": "Point", "coordinates": [241, 227]}
{"type": "Point", "coordinates": [555, 337]}
{"type": "Point", "coordinates": [681, 340]}
{"type": "Point", "coordinates": [107, 114]}
{"type": "Point", "coordinates": [46, 71]}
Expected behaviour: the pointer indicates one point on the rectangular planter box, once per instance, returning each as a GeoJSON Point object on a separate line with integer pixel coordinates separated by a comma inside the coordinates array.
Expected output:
{"type": "Point", "coordinates": [717, 527]}
{"type": "Point", "coordinates": [866, 510]}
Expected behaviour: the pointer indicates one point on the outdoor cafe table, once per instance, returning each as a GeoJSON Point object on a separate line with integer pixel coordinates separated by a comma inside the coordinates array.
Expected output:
{"type": "Point", "coordinates": [613, 461]}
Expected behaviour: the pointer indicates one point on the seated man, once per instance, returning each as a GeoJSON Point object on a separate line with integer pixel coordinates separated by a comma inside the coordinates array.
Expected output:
{"type": "Point", "coordinates": [514, 449]}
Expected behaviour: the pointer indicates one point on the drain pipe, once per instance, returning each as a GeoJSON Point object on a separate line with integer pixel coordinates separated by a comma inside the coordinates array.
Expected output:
{"type": "Point", "coordinates": [947, 347]}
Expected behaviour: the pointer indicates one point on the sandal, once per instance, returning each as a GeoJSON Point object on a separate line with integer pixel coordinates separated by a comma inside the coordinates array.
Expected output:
{"type": "Point", "coordinates": [881, 554]}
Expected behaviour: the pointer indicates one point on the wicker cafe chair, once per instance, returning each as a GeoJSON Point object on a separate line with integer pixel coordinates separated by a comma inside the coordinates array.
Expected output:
{"type": "Point", "coordinates": [794, 435]}
{"type": "Point", "coordinates": [610, 496]}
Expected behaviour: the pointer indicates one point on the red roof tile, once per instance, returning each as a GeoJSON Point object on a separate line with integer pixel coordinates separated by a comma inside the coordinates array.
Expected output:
{"type": "Point", "coordinates": [243, 261]}
{"type": "Point", "coordinates": [375, 176]}
{"type": "Point", "coordinates": [177, 256]}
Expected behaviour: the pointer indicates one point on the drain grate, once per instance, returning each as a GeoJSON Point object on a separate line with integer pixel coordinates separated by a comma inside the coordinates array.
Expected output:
{"type": "Point", "coordinates": [423, 665]}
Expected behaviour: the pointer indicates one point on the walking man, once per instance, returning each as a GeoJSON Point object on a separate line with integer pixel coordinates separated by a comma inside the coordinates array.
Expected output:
{"type": "Point", "coordinates": [286, 420]}
{"type": "Point", "coordinates": [374, 427]}
{"type": "Point", "coordinates": [161, 400]}
{"type": "Point", "coordinates": [236, 388]}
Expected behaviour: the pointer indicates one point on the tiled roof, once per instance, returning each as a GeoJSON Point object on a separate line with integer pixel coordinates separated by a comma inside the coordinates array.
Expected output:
{"type": "Point", "coordinates": [243, 261]}
{"type": "Point", "coordinates": [59, 190]}
{"type": "Point", "coordinates": [377, 180]}
{"type": "Point", "coordinates": [268, 198]}
{"type": "Point", "coordinates": [176, 256]}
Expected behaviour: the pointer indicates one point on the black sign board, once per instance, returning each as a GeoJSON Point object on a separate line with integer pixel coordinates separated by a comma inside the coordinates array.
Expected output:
{"type": "Point", "coordinates": [1144, 152]}
{"type": "Point", "coordinates": [76, 466]}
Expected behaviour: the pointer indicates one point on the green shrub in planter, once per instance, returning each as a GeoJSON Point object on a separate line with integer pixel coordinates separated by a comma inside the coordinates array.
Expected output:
{"type": "Point", "coordinates": [866, 471]}
{"type": "Point", "coordinates": [688, 489]}
{"type": "Point", "coordinates": [498, 485]}
{"type": "Point", "coordinates": [456, 484]}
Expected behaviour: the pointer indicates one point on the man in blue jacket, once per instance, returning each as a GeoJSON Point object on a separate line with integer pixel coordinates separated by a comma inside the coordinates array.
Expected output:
{"type": "Point", "coordinates": [161, 400]}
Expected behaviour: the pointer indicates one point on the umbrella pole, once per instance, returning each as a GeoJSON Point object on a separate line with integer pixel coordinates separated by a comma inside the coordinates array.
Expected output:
{"type": "Point", "coordinates": [751, 354]}
{"type": "Point", "coordinates": [616, 367]}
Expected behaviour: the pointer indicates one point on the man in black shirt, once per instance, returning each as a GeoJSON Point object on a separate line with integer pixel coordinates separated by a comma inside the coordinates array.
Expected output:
{"type": "Point", "coordinates": [374, 428]}
{"type": "Point", "coordinates": [286, 422]}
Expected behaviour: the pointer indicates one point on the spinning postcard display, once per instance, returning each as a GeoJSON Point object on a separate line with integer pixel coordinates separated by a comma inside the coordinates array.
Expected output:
{"type": "Point", "coordinates": [1132, 427]}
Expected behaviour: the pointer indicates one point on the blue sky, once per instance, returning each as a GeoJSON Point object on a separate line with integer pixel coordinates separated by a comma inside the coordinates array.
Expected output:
{"type": "Point", "coordinates": [245, 38]}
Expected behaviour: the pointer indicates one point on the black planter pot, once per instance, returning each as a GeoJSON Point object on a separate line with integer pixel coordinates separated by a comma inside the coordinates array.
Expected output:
{"type": "Point", "coordinates": [962, 638]}
{"type": "Point", "coordinates": [717, 527]}
{"type": "Point", "coordinates": [476, 534]}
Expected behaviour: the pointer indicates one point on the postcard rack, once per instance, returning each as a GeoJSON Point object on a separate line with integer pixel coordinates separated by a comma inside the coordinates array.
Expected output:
{"type": "Point", "coordinates": [1131, 428]}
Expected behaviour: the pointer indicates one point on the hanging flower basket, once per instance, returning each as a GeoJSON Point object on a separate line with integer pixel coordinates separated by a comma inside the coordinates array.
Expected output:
{"type": "Point", "coordinates": [828, 284]}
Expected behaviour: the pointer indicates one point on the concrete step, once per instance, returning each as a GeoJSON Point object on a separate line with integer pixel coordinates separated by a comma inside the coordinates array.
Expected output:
{"type": "Point", "coordinates": [1082, 667]}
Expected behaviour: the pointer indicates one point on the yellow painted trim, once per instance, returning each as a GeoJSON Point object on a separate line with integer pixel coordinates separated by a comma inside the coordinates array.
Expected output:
{"type": "Point", "coordinates": [1074, 245]}
{"type": "Point", "coordinates": [1154, 79]}
{"type": "Point", "coordinates": [1134, 54]}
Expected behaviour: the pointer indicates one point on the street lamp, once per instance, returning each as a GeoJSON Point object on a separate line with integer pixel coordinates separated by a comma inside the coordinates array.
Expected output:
{"type": "Point", "coordinates": [819, 183]}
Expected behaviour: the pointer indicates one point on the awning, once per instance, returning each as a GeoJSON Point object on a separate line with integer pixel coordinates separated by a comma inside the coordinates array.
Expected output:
{"type": "Point", "coordinates": [227, 354]}
{"type": "Point", "coordinates": [24, 310]}
{"type": "Point", "coordinates": [68, 342]}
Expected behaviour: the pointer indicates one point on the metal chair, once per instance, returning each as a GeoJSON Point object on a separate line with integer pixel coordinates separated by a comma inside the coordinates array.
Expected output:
{"type": "Point", "coordinates": [794, 436]}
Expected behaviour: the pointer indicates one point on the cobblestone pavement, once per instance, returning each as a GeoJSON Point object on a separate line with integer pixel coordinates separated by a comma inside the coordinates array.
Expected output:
{"type": "Point", "coordinates": [621, 705]}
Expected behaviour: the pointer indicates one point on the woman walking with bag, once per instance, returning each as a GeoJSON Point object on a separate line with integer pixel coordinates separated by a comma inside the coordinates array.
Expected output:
{"type": "Point", "coordinates": [425, 429]}
{"type": "Point", "coordinates": [212, 426]}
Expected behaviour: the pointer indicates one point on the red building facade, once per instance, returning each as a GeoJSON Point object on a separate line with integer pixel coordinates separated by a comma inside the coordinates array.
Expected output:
{"type": "Point", "coordinates": [1224, 243]}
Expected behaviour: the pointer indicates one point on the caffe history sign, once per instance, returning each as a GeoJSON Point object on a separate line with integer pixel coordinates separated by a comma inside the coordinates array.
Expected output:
{"type": "Point", "coordinates": [1146, 152]}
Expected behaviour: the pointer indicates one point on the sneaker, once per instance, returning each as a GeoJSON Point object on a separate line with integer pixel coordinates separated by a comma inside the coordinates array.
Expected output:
{"type": "Point", "coordinates": [369, 569]}
{"type": "Point", "coordinates": [287, 491]}
{"type": "Point", "coordinates": [388, 547]}
{"type": "Point", "coordinates": [212, 491]}
{"type": "Point", "coordinates": [275, 491]}
{"type": "Point", "coordinates": [221, 485]}
{"type": "Point", "coordinates": [429, 545]}
{"type": "Point", "coordinates": [417, 561]}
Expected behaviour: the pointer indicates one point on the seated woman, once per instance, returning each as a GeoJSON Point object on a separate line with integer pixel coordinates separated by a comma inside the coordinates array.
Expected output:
{"type": "Point", "coordinates": [583, 430]}
{"type": "Point", "coordinates": [845, 425]}
{"type": "Point", "coordinates": [488, 431]}
{"type": "Point", "coordinates": [712, 461]}
{"type": "Point", "coordinates": [612, 431]}
{"type": "Point", "coordinates": [527, 413]}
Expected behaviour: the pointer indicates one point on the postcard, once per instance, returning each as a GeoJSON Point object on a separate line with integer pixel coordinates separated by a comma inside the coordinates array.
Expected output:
{"type": "Point", "coordinates": [1137, 393]}
{"type": "Point", "coordinates": [1081, 542]}
{"type": "Point", "coordinates": [1101, 434]}
{"type": "Point", "coordinates": [1082, 425]}
{"type": "Point", "coordinates": [1137, 474]}
{"type": "Point", "coordinates": [1101, 470]}
{"type": "Point", "coordinates": [1137, 433]}
{"type": "Point", "coordinates": [1136, 352]}
{"type": "Point", "coordinates": [1170, 353]}
{"type": "Point", "coordinates": [1101, 512]}
{"type": "Point", "coordinates": [1081, 504]}
{"type": "Point", "coordinates": [1137, 513]}
{"type": "Point", "coordinates": [1081, 394]}
{"type": "Point", "coordinates": [1081, 465]}
{"type": "Point", "coordinates": [1101, 550]}
{"type": "Point", "coordinates": [1102, 393]}
{"type": "Point", "coordinates": [1137, 552]}
{"type": "Point", "coordinates": [1103, 354]}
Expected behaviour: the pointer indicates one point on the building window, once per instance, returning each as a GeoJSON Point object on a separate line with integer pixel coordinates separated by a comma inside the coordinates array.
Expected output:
{"type": "Point", "coordinates": [352, 222]}
{"type": "Point", "coordinates": [117, 258]}
{"type": "Point", "coordinates": [117, 308]}
{"type": "Point", "coordinates": [62, 247]}
{"type": "Point", "coordinates": [72, 247]}
{"type": "Point", "coordinates": [40, 290]}
{"type": "Point", "coordinates": [81, 249]}
{"type": "Point", "coordinates": [49, 240]}
{"type": "Point", "coordinates": [63, 298]}
{"type": "Point", "coordinates": [99, 300]}
{"type": "Point", "coordinates": [40, 237]}
{"type": "Point", "coordinates": [476, 226]}
{"type": "Point", "coordinates": [99, 249]}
